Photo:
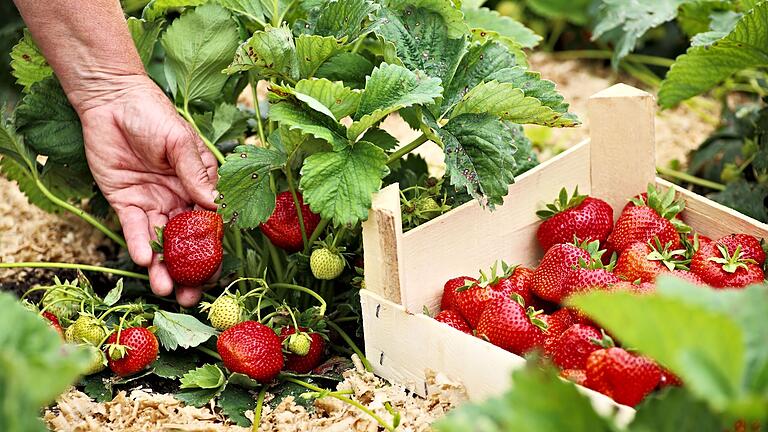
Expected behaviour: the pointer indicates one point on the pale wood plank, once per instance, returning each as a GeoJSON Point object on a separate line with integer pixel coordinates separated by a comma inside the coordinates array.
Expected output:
{"type": "Point", "coordinates": [382, 242]}
{"type": "Point", "coordinates": [471, 237]}
{"type": "Point", "coordinates": [621, 123]}
{"type": "Point", "coordinates": [402, 347]}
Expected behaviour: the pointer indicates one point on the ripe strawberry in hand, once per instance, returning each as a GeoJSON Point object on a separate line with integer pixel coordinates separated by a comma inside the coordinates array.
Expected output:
{"type": "Point", "coordinates": [644, 261]}
{"type": "Point", "coordinates": [557, 262]}
{"type": "Point", "coordinates": [718, 267]}
{"type": "Point", "coordinates": [192, 249]}
{"type": "Point", "coordinates": [253, 349]}
{"type": "Point", "coordinates": [302, 360]}
{"type": "Point", "coordinates": [131, 350]}
{"type": "Point", "coordinates": [508, 325]}
{"type": "Point", "coordinates": [449, 291]}
{"type": "Point", "coordinates": [571, 349]}
{"type": "Point", "coordinates": [453, 319]}
{"type": "Point", "coordinates": [751, 248]}
{"type": "Point", "coordinates": [643, 221]}
{"type": "Point", "coordinates": [283, 229]}
{"type": "Point", "coordinates": [581, 217]}
{"type": "Point", "coordinates": [625, 377]}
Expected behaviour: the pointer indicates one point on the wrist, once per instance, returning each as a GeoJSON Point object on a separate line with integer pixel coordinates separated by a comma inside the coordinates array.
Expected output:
{"type": "Point", "coordinates": [99, 87]}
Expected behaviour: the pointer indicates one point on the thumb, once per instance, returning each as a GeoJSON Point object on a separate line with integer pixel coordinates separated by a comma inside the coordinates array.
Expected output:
{"type": "Point", "coordinates": [183, 154]}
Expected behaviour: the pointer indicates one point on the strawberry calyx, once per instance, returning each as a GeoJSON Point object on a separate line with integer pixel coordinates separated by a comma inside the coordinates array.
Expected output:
{"type": "Point", "coordinates": [605, 342]}
{"type": "Point", "coordinates": [157, 244]}
{"type": "Point", "coordinates": [731, 262]}
{"type": "Point", "coordinates": [593, 247]}
{"type": "Point", "coordinates": [667, 256]}
{"type": "Point", "coordinates": [506, 271]}
{"type": "Point", "coordinates": [532, 315]}
{"type": "Point", "coordinates": [562, 203]}
{"type": "Point", "coordinates": [665, 205]}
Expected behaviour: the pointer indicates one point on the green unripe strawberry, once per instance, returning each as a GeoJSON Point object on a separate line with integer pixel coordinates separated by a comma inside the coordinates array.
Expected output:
{"type": "Point", "coordinates": [60, 303]}
{"type": "Point", "coordinates": [326, 264]}
{"type": "Point", "coordinates": [299, 343]}
{"type": "Point", "coordinates": [86, 329]}
{"type": "Point", "coordinates": [98, 361]}
{"type": "Point", "coordinates": [427, 208]}
{"type": "Point", "coordinates": [225, 312]}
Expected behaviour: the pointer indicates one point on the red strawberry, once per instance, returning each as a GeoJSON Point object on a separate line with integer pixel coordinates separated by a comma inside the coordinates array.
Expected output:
{"type": "Point", "coordinates": [638, 288]}
{"type": "Point", "coordinates": [669, 379]}
{"type": "Point", "coordinates": [518, 282]}
{"type": "Point", "coordinates": [252, 349]}
{"type": "Point", "coordinates": [554, 267]}
{"type": "Point", "coordinates": [644, 261]}
{"type": "Point", "coordinates": [625, 377]}
{"type": "Point", "coordinates": [54, 323]}
{"type": "Point", "coordinates": [449, 291]}
{"type": "Point", "coordinates": [507, 324]}
{"type": "Point", "coordinates": [283, 229]}
{"type": "Point", "coordinates": [192, 249]}
{"type": "Point", "coordinates": [721, 269]}
{"type": "Point", "coordinates": [453, 319]}
{"type": "Point", "coordinates": [582, 279]}
{"type": "Point", "coordinates": [581, 217]}
{"type": "Point", "coordinates": [688, 276]}
{"type": "Point", "coordinates": [306, 363]}
{"type": "Point", "coordinates": [139, 350]}
{"type": "Point", "coordinates": [471, 302]}
{"type": "Point", "coordinates": [644, 221]}
{"type": "Point", "coordinates": [750, 246]}
{"type": "Point", "coordinates": [576, 376]}
{"type": "Point", "coordinates": [572, 348]}
{"type": "Point", "coordinates": [558, 322]}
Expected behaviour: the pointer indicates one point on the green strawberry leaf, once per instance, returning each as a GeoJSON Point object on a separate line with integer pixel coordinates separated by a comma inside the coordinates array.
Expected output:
{"type": "Point", "coordinates": [198, 45]}
{"type": "Point", "coordinates": [505, 28]}
{"type": "Point", "coordinates": [533, 86]}
{"type": "Point", "coordinates": [173, 365]}
{"type": "Point", "coordinates": [721, 24]}
{"type": "Point", "coordinates": [703, 67]}
{"type": "Point", "coordinates": [479, 156]}
{"type": "Point", "coordinates": [745, 197]}
{"type": "Point", "coordinates": [252, 10]}
{"type": "Point", "coordinates": [267, 54]}
{"type": "Point", "coordinates": [98, 386]}
{"type": "Point", "coordinates": [539, 401]}
{"type": "Point", "coordinates": [338, 185]}
{"type": "Point", "coordinates": [244, 192]}
{"type": "Point", "coordinates": [345, 20]}
{"type": "Point", "coordinates": [421, 41]}
{"type": "Point", "coordinates": [574, 11]}
{"type": "Point", "coordinates": [381, 138]}
{"type": "Point", "coordinates": [197, 397]}
{"type": "Point", "coordinates": [455, 27]}
{"type": "Point", "coordinates": [234, 402]}
{"type": "Point", "coordinates": [158, 8]}
{"type": "Point", "coordinates": [144, 36]}
{"type": "Point", "coordinates": [510, 103]}
{"type": "Point", "coordinates": [113, 296]}
{"type": "Point", "coordinates": [349, 68]}
{"type": "Point", "coordinates": [623, 22]}
{"type": "Point", "coordinates": [313, 51]}
{"type": "Point", "coordinates": [27, 62]}
{"type": "Point", "coordinates": [207, 376]}
{"type": "Point", "coordinates": [176, 330]}
{"type": "Point", "coordinates": [388, 89]}
{"type": "Point", "coordinates": [36, 366]}
{"type": "Point", "coordinates": [340, 100]}
{"type": "Point", "coordinates": [704, 347]}
{"type": "Point", "coordinates": [226, 123]}
{"type": "Point", "coordinates": [660, 412]}
{"type": "Point", "coordinates": [243, 381]}
{"type": "Point", "coordinates": [310, 120]}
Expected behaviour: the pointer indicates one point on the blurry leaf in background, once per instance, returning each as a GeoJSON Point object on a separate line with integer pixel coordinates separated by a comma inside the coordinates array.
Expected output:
{"type": "Point", "coordinates": [35, 367]}
{"type": "Point", "coordinates": [661, 412]}
{"type": "Point", "coordinates": [745, 197]}
{"type": "Point", "coordinates": [575, 11]}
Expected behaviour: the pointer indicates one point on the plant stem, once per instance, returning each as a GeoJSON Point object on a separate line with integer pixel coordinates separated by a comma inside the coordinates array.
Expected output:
{"type": "Point", "coordinates": [185, 113]}
{"type": "Point", "coordinates": [299, 213]}
{"type": "Point", "coordinates": [257, 410]}
{"type": "Point", "coordinates": [38, 264]}
{"type": "Point", "coordinates": [679, 175]}
{"type": "Point", "coordinates": [351, 344]}
{"type": "Point", "coordinates": [275, 256]}
{"type": "Point", "coordinates": [316, 234]}
{"type": "Point", "coordinates": [256, 107]}
{"type": "Point", "coordinates": [82, 214]}
{"type": "Point", "coordinates": [404, 150]}
{"type": "Point", "coordinates": [344, 399]}
{"type": "Point", "coordinates": [208, 351]}
{"type": "Point", "coordinates": [557, 30]}
{"type": "Point", "coordinates": [305, 290]}
{"type": "Point", "coordinates": [606, 54]}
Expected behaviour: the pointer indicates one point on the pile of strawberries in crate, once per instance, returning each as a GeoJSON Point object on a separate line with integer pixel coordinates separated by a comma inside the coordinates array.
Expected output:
{"type": "Point", "coordinates": [519, 309]}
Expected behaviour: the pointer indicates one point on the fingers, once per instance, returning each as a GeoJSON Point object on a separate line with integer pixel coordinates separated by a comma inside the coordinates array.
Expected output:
{"type": "Point", "coordinates": [135, 228]}
{"type": "Point", "coordinates": [188, 296]}
{"type": "Point", "coordinates": [186, 160]}
{"type": "Point", "coordinates": [210, 162]}
{"type": "Point", "coordinates": [159, 278]}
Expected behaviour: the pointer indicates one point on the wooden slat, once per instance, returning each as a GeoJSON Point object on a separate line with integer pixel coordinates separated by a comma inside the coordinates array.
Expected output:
{"type": "Point", "coordinates": [622, 141]}
{"type": "Point", "coordinates": [402, 347]}
{"type": "Point", "coordinates": [382, 242]}
{"type": "Point", "coordinates": [714, 219]}
{"type": "Point", "coordinates": [470, 237]}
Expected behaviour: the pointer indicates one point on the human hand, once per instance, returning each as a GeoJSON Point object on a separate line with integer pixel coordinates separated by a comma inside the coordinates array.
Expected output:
{"type": "Point", "coordinates": [149, 163]}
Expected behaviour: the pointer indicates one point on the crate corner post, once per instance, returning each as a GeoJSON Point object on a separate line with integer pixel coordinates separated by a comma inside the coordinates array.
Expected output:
{"type": "Point", "coordinates": [622, 143]}
{"type": "Point", "coordinates": [382, 243]}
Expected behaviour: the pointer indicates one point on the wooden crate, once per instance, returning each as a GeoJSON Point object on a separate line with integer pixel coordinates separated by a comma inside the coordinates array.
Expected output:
{"type": "Point", "coordinates": [406, 271]}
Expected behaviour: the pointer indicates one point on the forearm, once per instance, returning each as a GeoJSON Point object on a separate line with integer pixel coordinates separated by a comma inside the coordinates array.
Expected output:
{"type": "Point", "coordinates": [87, 43]}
